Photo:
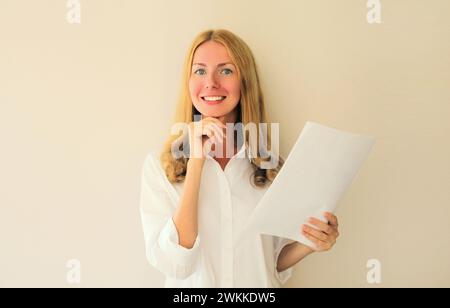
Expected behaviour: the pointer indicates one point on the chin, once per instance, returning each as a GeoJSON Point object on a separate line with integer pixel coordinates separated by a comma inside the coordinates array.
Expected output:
{"type": "Point", "coordinates": [214, 114]}
{"type": "Point", "coordinates": [206, 112]}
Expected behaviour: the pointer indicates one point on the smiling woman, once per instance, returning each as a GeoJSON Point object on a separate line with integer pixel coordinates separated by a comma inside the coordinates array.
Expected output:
{"type": "Point", "coordinates": [216, 84]}
{"type": "Point", "coordinates": [220, 80]}
{"type": "Point", "coordinates": [194, 207]}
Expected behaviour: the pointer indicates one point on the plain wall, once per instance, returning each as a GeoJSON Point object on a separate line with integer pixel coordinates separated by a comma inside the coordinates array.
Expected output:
{"type": "Point", "coordinates": [81, 105]}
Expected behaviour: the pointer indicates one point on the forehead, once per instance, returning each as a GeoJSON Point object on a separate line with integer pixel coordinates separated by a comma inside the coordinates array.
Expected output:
{"type": "Point", "coordinates": [211, 53]}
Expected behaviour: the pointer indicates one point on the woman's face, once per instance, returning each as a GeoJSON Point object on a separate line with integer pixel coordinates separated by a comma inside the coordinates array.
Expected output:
{"type": "Point", "coordinates": [214, 83]}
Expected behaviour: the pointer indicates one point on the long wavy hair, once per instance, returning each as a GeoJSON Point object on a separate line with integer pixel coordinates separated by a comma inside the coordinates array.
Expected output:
{"type": "Point", "coordinates": [251, 108]}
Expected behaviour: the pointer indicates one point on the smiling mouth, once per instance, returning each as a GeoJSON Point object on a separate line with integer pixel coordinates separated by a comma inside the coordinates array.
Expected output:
{"type": "Point", "coordinates": [213, 99]}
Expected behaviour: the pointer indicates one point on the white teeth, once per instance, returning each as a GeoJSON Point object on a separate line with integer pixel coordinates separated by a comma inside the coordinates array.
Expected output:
{"type": "Point", "coordinates": [213, 98]}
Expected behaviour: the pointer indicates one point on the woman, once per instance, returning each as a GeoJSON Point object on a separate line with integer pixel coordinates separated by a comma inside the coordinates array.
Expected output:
{"type": "Point", "coordinates": [195, 205]}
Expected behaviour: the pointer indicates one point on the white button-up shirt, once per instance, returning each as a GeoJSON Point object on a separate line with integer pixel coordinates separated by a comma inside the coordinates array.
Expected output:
{"type": "Point", "coordinates": [222, 256]}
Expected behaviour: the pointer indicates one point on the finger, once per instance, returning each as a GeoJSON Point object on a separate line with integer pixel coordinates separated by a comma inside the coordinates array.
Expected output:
{"type": "Point", "coordinates": [207, 146]}
{"type": "Point", "coordinates": [217, 131]}
{"type": "Point", "coordinates": [219, 123]}
{"type": "Point", "coordinates": [331, 218]}
{"type": "Point", "coordinates": [211, 131]}
{"type": "Point", "coordinates": [316, 233]}
{"type": "Point", "coordinates": [319, 245]}
{"type": "Point", "coordinates": [220, 131]}
{"type": "Point", "coordinates": [215, 121]}
{"type": "Point", "coordinates": [212, 140]}
{"type": "Point", "coordinates": [324, 227]}
{"type": "Point", "coordinates": [208, 132]}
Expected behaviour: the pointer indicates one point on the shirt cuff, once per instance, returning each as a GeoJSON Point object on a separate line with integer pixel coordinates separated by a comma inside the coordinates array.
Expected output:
{"type": "Point", "coordinates": [169, 242]}
{"type": "Point", "coordinates": [287, 273]}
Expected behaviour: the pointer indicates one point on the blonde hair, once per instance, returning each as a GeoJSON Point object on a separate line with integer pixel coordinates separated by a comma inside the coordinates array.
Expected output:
{"type": "Point", "coordinates": [251, 107]}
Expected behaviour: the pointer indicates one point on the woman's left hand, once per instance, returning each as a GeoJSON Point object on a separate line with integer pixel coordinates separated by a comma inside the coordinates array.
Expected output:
{"type": "Point", "coordinates": [323, 235]}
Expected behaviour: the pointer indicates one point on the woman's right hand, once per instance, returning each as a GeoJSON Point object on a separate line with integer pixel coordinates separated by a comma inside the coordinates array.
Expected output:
{"type": "Point", "coordinates": [202, 135]}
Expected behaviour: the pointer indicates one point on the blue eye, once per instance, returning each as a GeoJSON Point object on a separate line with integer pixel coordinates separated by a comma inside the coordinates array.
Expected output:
{"type": "Point", "coordinates": [227, 71]}
{"type": "Point", "coordinates": [200, 71]}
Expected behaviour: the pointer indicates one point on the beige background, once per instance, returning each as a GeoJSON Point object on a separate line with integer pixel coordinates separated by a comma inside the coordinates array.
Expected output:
{"type": "Point", "coordinates": [82, 105]}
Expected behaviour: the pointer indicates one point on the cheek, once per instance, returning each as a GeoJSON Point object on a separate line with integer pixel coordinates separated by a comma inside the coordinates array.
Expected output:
{"type": "Point", "coordinates": [231, 85]}
{"type": "Point", "coordinates": [234, 88]}
{"type": "Point", "coordinates": [194, 87]}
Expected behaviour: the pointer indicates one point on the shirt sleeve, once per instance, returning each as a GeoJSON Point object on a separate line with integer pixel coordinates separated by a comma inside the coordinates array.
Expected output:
{"type": "Point", "coordinates": [279, 244]}
{"type": "Point", "coordinates": [157, 206]}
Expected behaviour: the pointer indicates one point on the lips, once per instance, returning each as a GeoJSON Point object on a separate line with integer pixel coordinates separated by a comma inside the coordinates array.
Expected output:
{"type": "Point", "coordinates": [213, 99]}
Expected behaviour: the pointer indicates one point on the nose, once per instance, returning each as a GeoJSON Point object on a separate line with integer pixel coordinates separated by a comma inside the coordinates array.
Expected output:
{"type": "Point", "coordinates": [211, 81]}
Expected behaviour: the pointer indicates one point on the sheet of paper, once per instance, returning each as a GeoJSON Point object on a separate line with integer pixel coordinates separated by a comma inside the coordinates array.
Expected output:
{"type": "Point", "coordinates": [316, 173]}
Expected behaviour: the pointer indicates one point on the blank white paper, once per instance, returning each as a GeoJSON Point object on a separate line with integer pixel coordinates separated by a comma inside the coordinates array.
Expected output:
{"type": "Point", "coordinates": [316, 173]}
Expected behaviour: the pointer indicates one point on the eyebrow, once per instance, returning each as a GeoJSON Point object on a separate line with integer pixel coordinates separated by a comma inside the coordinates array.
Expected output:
{"type": "Point", "coordinates": [220, 64]}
